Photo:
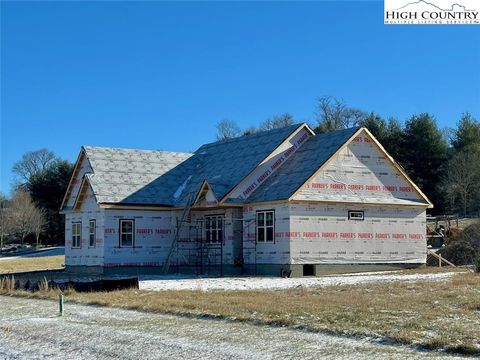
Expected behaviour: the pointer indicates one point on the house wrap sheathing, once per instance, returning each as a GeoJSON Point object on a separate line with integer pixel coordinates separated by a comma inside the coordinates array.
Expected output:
{"type": "Point", "coordinates": [269, 203]}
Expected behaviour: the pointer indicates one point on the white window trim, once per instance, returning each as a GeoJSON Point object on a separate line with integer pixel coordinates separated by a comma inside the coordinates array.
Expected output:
{"type": "Point", "coordinates": [120, 233]}
{"type": "Point", "coordinates": [265, 226]}
{"type": "Point", "coordinates": [76, 236]}
{"type": "Point", "coordinates": [356, 215]}
{"type": "Point", "coordinates": [218, 230]}
{"type": "Point", "coordinates": [90, 232]}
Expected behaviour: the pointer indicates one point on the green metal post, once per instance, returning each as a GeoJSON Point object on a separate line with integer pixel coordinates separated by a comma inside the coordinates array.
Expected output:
{"type": "Point", "coordinates": [60, 304]}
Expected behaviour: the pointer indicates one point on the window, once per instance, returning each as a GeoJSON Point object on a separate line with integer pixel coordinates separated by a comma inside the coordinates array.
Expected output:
{"type": "Point", "coordinates": [92, 232]}
{"type": "Point", "coordinates": [76, 234]}
{"type": "Point", "coordinates": [355, 215]}
{"type": "Point", "coordinates": [214, 228]}
{"type": "Point", "coordinates": [127, 233]}
{"type": "Point", "coordinates": [265, 226]}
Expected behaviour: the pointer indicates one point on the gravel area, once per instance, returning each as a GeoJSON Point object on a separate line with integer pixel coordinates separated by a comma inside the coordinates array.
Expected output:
{"type": "Point", "coordinates": [31, 329]}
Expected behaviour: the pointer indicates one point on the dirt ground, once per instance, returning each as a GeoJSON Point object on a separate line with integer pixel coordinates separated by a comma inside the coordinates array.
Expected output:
{"type": "Point", "coordinates": [32, 329]}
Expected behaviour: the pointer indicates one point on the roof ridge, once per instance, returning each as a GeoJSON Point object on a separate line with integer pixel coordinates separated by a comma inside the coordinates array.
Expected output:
{"type": "Point", "coordinates": [339, 130]}
{"type": "Point", "coordinates": [249, 136]}
{"type": "Point", "coordinates": [132, 149]}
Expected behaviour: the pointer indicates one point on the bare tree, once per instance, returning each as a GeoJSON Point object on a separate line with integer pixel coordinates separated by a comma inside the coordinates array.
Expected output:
{"type": "Point", "coordinates": [332, 114]}
{"type": "Point", "coordinates": [23, 213]}
{"type": "Point", "coordinates": [277, 121]}
{"type": "Point", "coordinates": [462, 179]}
{"type": "Point", "coordinates": [39, 223]}
{"type": "Point", "coordinates": [33, 162]}
{"type": "Point", "coordinates": [353, 116]}
{"type": "Point", "coordinates": [250, 130]}
{"type": "Point", "coordinates": [227, 129]}
{"type": "Point", "coordinates": [5, 220]}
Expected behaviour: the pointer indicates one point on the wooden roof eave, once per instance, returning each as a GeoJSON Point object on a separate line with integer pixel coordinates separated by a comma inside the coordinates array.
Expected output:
{"type": "Point", "coordinates": [84, 186]}
{"type": "Point", "coordinates": [68, 193]}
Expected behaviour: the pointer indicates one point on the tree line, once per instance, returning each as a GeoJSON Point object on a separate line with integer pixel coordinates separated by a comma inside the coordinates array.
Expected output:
{"type": "Point", "coordinates": [444, 163]}
{"type": "Point", "coordinates": [31, 214]}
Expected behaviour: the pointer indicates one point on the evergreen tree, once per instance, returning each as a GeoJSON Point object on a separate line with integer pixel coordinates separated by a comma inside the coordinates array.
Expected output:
{"type": "Point", "coordinates": [377, 126]}
{"type": "Point", "coordinates": [467, 135]}
{"type": "Point", "coordinates": [47, 188]}
{"type": "Point", "coordinates": [424, 156]}
{"type": "Point", "coordinates": [394, 140]}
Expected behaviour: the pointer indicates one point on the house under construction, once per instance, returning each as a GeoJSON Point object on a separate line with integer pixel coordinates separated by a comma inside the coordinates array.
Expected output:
{"type": "Point", "coordinates": [276, 202]}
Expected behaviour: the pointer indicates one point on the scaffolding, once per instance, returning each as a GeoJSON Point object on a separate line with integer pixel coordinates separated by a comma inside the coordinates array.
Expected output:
{"type": "Point", "coordinates": [438, 228]}
{"type": "Point", "coordinates": [196, 253]}
{"type": "Point", "coordinates": [201, 256]}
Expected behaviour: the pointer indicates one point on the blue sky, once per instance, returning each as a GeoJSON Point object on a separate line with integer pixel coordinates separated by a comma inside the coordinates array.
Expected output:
{"type": "Point", "coordinates": [160, 75]}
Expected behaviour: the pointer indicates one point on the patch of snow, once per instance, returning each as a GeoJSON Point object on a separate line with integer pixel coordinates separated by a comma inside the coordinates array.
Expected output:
{"type": "Point", "coordinates": [185, 282]}
{"type": "Point", "coordinates": [31, 329]}
{"type": "Point", "coordinates": [182, 187]}
{"type": "Point", "coordinates": [53, 251]}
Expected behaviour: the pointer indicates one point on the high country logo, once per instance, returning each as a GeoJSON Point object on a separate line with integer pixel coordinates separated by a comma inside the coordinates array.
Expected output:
{"type": "Point", "coordinates": [432, 12]}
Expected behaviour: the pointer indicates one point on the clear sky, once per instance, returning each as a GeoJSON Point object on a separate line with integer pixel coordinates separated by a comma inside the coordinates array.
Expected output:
{"type": "Point", "coordinates": [160, 75]}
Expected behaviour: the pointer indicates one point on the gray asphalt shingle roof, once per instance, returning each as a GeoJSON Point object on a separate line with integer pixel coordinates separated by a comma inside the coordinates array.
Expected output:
{"type": "Point", "coordinates": [161, 178]}
{"type": "Point", "coordinates": [223, 164]}
{"type": "Point", "coordinates": [301, 166]}
{"type": "Point", "coordinates": [119, 173]}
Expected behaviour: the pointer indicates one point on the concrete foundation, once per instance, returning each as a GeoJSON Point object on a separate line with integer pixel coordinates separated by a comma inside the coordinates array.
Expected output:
{"type": "Point", "coordinates": [286, 270]}
{"type": "Point", "coordinates": [301, 270]}
{"type": "Point", "coordinates": [216, 270]}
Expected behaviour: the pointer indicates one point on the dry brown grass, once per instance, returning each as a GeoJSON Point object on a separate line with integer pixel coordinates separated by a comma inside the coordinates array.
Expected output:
{"type": "Point", "coordinates": [19, 264]}
{"type": "Point", "coordinates": [7, 284]}
{"type": "Point", "coordinates": [463, 223]}
{"type": "Point", "coordinates": [435, 315]}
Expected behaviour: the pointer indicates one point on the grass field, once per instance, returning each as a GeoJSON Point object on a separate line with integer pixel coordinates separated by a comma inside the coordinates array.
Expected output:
{"type": "Point", "coordinates": [463, 223]}
{"type": "Point", "coordinates": [29, 328]}
{"type": "Point", "coordinates": [435, 315]}
{"type": "Point", "coordinates": [21, 264]}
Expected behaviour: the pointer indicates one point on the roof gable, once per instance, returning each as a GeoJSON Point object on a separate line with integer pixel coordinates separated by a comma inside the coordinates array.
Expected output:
{"type": "Point", "coordinates": [114, 174]}
{"type": "Point", "coordinates": [85, 196]}
{"type": "Point", "coordinates": [82, 167]}
{"type": "Point", "coordinates": [300, 167]}
{"type": "Point", "coordinates": [205, 196]}
{"type": "Point", "coordinates": [361, 172]}
{"type": "Point", "coordinates": [272, 163]}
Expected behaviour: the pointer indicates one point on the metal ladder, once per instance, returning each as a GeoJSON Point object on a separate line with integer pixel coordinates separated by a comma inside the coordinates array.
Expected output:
{"type": "Point", "coordinates": [186, 211]}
